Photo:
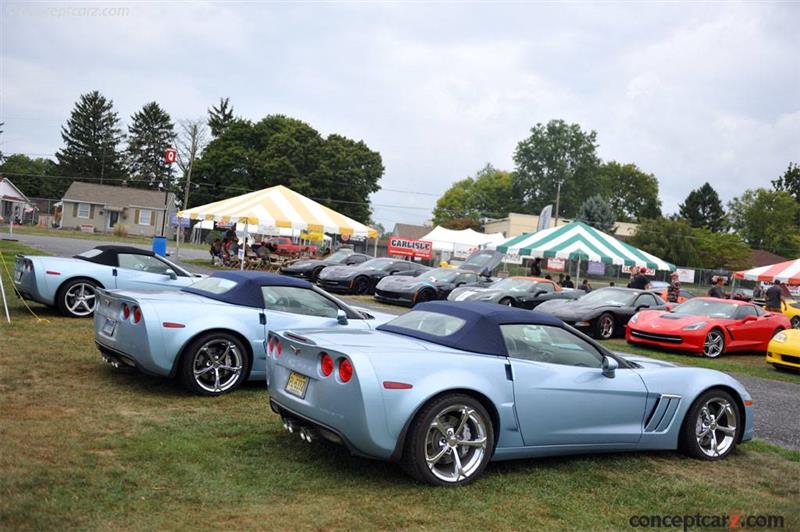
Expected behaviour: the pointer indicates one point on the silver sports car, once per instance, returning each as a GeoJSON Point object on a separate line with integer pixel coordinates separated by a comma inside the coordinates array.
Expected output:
{"type": "Point", "coordinates": [213, 334]}
{"type": "Point", "coordinates": [448, 387]}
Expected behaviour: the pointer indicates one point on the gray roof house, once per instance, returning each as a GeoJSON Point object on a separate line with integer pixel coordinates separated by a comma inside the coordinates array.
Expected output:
{"type": "Point", "coordinates": [100, 208]}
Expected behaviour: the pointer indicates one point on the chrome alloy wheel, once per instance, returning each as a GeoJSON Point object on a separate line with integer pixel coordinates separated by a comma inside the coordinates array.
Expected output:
{"type": "Point", "coordinates": [455, 443]}
{"type": "Point", "coordinates": [217, 365]}
{"type": "Point", "coordinates": [715, 428]}
{"type": "Point", "coordinates": [796, 322]}
{"type": "Point", "coordinates": [606, 326]}
{"type": "Point", "coordinates": [714, 344]}
{"type": "Point", "coordinates": [80, 298]}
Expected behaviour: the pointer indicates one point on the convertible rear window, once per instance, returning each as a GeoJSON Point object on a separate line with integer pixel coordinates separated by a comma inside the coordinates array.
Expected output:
{"type": "Point", "coordinates": [89, 253]}
{"type": "Point", "coordinates": [431, 323]}
{"type": "Point", "coordinates": [214, 285]}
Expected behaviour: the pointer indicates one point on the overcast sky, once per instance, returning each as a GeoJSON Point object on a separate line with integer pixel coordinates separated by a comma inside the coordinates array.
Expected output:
{"type": "Point", "coordinates": [691, 92]}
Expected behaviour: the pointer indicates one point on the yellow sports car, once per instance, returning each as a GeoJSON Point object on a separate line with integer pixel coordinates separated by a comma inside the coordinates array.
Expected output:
{"type": "Point", "coordinates": [791, 309]}
{"type": "Point", "coordinates": [783, 351]}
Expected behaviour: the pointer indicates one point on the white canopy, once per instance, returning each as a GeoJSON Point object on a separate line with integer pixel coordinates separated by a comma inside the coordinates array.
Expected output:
{"type": "Point", "coordinates": [452, 241]}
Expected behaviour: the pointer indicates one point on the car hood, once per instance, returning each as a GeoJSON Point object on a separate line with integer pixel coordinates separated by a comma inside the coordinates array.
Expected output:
{"type": "Point", "coordinates": [469, 293]}
{"type": "Point", "coordinates": [571, 309]}
{"type": "Point", "coordinates": [339, 272]}
{"type": "Point", "coordinates": [668, 321]}
{"type": "Point", "coordinates": [304, 265]}
{"type": "Point", "coordinates": [397, 283]}
{"type": "Point", "coordinates": [646, 362]}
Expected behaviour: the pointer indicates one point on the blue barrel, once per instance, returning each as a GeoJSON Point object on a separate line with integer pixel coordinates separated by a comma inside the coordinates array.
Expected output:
{"type": "Point", "coordinates": [160, 245]}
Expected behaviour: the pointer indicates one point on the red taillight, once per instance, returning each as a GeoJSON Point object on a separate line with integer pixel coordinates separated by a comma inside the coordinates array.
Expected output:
{"type": "Point", "coordinates": [126, 311]}
{"type": "Point", "coordinates": [277, 348]}
{"type": "Point", "coordinates": [137, 314]}
{"type": "Point", "coordinates": [269, 345]}
{"type": "Point", "coordinates": [345, 370]}
{"type": "Point", "coordinates": [326, 364]}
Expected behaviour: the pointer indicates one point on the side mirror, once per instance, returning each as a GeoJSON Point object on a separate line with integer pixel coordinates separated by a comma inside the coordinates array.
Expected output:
{"type": "Point", "coordinates": [341, 317]}
{"type": "Point", "coordinates": [171, 274]}
{"type": "Point", "coordinates": [609, 366]}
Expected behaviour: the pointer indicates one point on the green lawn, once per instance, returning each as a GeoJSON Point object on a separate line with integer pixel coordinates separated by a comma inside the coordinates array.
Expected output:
{"type": "Point", "coordinates": [87, 446]}
{"type": "Point", "coordinates": [71, 233]}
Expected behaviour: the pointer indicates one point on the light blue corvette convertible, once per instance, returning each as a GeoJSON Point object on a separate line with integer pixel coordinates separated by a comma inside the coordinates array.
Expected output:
{"type": "Point", "coordinates": [448, 387]}
{"type": "Point", "coordinates": [69, 283]}
{"type": "Point", "coordinates": [212, 335]}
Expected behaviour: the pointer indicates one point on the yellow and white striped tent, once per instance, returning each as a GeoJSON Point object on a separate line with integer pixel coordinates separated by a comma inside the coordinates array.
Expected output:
{"type": "Point", "coordinates": [279, 207]}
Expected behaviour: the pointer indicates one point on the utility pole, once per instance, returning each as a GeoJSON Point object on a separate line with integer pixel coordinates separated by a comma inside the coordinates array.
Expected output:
{"type": "Point", "coordinates": [558, 199]}
{"type": "Point", "coordinates": [194, 133]}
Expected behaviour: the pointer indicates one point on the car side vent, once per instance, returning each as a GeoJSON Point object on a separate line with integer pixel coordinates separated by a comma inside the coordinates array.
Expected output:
{"type": "Point", "coordinates": [663, 413]}
{"type": "Point", "coordinates": [297, 338]}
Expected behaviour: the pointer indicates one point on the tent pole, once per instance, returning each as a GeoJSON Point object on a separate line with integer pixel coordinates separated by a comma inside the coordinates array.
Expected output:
{"type": "Point", "coordinates": [375, 250]}
{"type": "Point", "coordinates": [244, 247]}
{"type": "Point", "coordinates": [578, 272]}
{"type": "Point", "coordinates": [5, 302]}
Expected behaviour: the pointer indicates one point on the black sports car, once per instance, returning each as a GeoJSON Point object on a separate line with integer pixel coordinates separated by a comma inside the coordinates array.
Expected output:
{"type": "Point", "coordinates": [310, 268]}
{"type": "Point", "coordinates": [602, 313]}
{"type": "Point", "coordinates": [362, 278]}
{"type": "Point", "coordinates": [522, 292]}
{"type": "Point", "coordinates": [434, 284]}
{"type": "Point", "coordinates": [438, 283]}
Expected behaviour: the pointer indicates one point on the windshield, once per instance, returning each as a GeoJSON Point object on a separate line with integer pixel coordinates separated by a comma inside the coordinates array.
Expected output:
{"type": "Point", "coordinates": [376, 264]}
{"type": "Point", "coordinates": [610, 296]}
{"type": "Point", "coordinates": [339, 256]}
{"type": "Point", "coordinates": [442, 274]}
{"type": "Point", "coordinates": [709, 309]}
{"type": "Point", "coordinates": [514, 285]}
{"type": "Point", "coordinates": [428, 322]}
{"type": "Point", "coordinates": [214, 285]}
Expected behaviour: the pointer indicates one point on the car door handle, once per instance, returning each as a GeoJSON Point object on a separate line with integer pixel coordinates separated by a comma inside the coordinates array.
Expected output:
{"type": "Point", "coordinates": [262, 318]}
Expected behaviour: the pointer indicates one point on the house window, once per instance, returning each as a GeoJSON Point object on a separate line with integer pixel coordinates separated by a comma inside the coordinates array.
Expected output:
{"type": "Point", "coordinates": [83, 210]}
{"type": "Point", "coordinates": [144, 217]}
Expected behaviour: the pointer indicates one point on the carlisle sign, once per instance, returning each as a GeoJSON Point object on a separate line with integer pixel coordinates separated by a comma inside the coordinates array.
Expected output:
{"type": "Point", "coordinates": [421, 249]}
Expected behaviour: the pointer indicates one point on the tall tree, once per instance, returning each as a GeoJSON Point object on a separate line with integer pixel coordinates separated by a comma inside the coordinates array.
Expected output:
{"type": "Point", "coordinates": [192, 139]}
{"type": "Point", "coordinates": [767, 219]}
{"type": "Point", "coordinates": [598, 213]}
{"type": "Point", "coordinates": [487, 194]}
{"type": "Point", "coordinates": [788, 182]}
{"type": "Point", "coordinates": [339, 172]}
{"type": "Point", "coordinates": [150, 133]}
{"type": "Point", "coordinates": [32, 176]}
{"type": "Point", "coordinates": [671, 240]}
{"type": "Point", "coordinates": [555, 153]}
{"type": "Point", "coordinates": [220, 116]}
{"type": "Point", "coordinates": [632, 193]}
{"type": "Point", "coordinates": [91, 139]}
{"type": "Point", "coordinates": [703, 208]}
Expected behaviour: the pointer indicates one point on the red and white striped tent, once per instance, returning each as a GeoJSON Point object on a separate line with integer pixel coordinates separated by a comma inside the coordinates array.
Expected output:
{"type": "Point", "coordinates": [787, 272]}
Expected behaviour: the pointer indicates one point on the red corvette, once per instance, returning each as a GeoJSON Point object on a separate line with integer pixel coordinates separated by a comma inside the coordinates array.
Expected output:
{"type": "Point", "coordinates": [708, 326]}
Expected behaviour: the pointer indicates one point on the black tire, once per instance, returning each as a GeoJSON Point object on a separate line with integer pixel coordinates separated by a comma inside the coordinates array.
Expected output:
{"type": "Point", "coordinates": [214, 379]}
{"type": "Point", "coordinates": [507, 301]}
{"type": "Point", "coordinates": [689, 441]}
{"type": "Point", "coordinates": [71, 303]}
{"type": "Point", "coordinates": [605, 326]}
{"type": "Point", "coordinates": [315, 274]}
{"type": "Point", "coordinates": [475, 457]}
{"type": "Point", "coordinates": [796, 322]}
{"type": "Point", "coordinates": [426, 294]}
{"type": "Point", "coordinates": [361, 286]}
{"type": "Point", "coordinates": [714, 336]}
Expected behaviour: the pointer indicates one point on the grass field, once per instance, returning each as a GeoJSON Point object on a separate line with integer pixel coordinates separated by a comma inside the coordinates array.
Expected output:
{"type": "Point", "coordinates": [87, 446]}
{"type": "Point", "coordinates": [71, 233]}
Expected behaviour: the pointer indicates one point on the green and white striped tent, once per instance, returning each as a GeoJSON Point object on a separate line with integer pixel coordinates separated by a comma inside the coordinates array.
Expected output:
{"type": "Point", "coordinates": [578, 241]}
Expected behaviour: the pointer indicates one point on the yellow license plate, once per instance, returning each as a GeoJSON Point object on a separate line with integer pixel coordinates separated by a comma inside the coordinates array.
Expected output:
{"type": "Point", "coordinates": [297, 384]}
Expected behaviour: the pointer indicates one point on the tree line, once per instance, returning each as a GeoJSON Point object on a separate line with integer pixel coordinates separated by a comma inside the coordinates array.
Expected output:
{"type": "Point", "coordinates": [232, 156]}
{"type": "Point", "coordinates": [560, 159]}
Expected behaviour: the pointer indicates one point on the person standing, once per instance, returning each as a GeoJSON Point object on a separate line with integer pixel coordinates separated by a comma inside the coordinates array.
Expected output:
{"type": "Point", "coordinates": [634, 272]}
{"type": "Point", "coordinates": [674, 290]}
{"type": "Point", "coordinates": [758, 292]}
{"type": "Point", "coordinates": [585, 286]}
{"type": "Point", "coordinates": [774, 297]}
{"type": "Point", "coordinates": [639, 280]}
{"type": "Point", "coordinates": [536, 267]}
{"type": "Point", "coordinates": [716, 290]}
{"type": "Point", "coordinates": [567, 283]}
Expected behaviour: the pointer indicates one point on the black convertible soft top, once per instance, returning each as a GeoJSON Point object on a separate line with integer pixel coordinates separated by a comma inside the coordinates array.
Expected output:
{"type": "Point", "coordinates": [108, 254]}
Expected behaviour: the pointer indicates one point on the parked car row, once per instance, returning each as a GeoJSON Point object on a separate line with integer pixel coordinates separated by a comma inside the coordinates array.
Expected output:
{"type": "Point", "coordinates": [444, 388]}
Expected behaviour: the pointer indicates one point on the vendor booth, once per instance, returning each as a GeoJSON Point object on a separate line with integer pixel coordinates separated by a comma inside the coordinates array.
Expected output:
{"type": "Point", "coordinates": [459, 244]}
{"type": "Point", "coordinates": [787, 272]}
{"type": "Point", "coordinates": [580, 242]}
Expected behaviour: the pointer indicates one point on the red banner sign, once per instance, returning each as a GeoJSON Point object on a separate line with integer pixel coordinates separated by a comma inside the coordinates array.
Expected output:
{"type": "Point", "coordinates": [421, 249]}
{"type": "Point", "coordinates": [171, 155]}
